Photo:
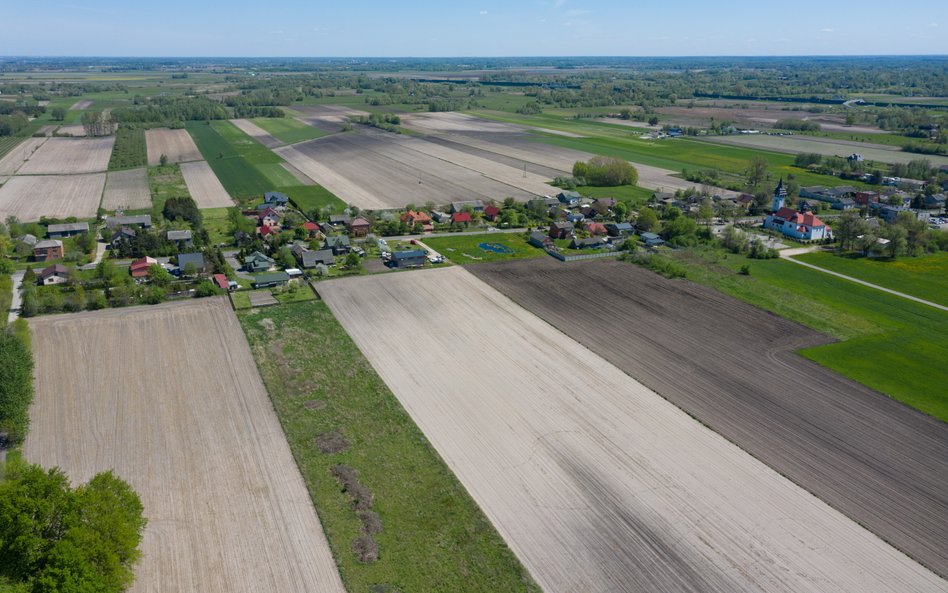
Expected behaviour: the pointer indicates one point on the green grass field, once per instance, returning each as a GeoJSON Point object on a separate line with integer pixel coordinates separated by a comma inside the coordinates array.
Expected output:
{"type": "Point", "coordinates": [244, 166]}
{"type": "Point", "coordinates": [925, 276]}
{"type": "Point", "coordinates": [312, 197]}
{"type": "Point", "coordinates": [633, 194]}
{"type": "Point", "coordinates": [217, 225]}
{"type": "Point", "coordinates": [8, 143]}
{"type": "Point", "coordinates": [434, 537]}
{"type": "Point", "coordinates": [165, 182]}
{"type": "Point", "coordinates": [887, 343]}
{"type": "Point", "coordinates": [289, 130]}
{"type": "Point", "coordinates": [129, 151]}
{"type": "Point", "coordinates": [458, 247]}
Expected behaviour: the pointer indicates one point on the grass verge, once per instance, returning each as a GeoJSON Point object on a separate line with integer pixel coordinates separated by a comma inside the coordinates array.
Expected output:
{"type": "Point", "coordinates": [465, 248]}
{"type": "Point", "coordinates": [434, 537]}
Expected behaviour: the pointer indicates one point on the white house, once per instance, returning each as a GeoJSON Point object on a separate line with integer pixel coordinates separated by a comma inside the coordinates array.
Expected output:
{"type": "Point", "coordinates": [804, 226]}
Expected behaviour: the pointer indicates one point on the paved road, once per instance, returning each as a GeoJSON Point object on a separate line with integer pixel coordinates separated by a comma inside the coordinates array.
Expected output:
{"type": "Point", "coordinates": [16, 303]}
{"type": "Point", "coordinates": [789, 253]}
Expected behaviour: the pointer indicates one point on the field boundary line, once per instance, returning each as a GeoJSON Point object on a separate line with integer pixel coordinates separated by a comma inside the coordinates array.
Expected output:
{"type": "Point", "coordinates": [864, 283]}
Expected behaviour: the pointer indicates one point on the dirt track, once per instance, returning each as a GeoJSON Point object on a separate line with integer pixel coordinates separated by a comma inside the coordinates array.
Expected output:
{"type": "Point", "coordinates": [171, 399]}
{"type": "Point", "coordinates": [732, 366]}
{"type": "Point", "coordinates": [597, 484]}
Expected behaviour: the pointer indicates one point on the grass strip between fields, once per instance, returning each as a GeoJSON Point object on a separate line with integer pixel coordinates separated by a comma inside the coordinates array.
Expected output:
{"type": "Point", "coordinates": [895, 346]}
{"type": "Point", "coordinates": [433, 537]}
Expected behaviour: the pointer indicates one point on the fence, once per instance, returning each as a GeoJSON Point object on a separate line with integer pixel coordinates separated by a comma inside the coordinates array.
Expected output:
{"type": "Point", "coordinates": [582, 256]}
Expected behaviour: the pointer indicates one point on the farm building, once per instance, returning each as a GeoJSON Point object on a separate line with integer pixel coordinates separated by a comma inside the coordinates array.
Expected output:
{"type": "Point", "coordinates": [141, 221]}
{"type": "Point", "coordinates": [48, 249]}
{"type": "Point", "coordinates": [799, 225]}
{"type": "Point", "coordinates": [475, 205]}
{"type": "Point", "coordinates": [58, 231]}
{"type": "Point", "coordinates": [222, 282]}
{"type": "Point", "coordinates": [617, 229]}
{"type": "Point", "coordinates": [338, 245]}
{"type": "Point", "coordinates": [54, 274]}
{"type": "Point", "coordinates": [561, 230]}
{"type": "Point", "coordinates": [258, 262]}
{"type": "Point", "coordinates": [28, 239]}
{"type": "Point", "coordinates": [181, 238]}
{"type": "Point", "coordinates": [196, 259]}
{"type": "Point", "coordinates": [409, 259]}
{"type": "Point", "coordinates": [541, 240]}
{"type": "Point", "coordinates": [651, 239]}
{"type": "Point", "coordinates": [589, 243]}
{"type": "Point", "coordinates": [139, 268]}
{"type": "Point", "coordinates": [339, 219]}
{"type": "Point", "coordinates": [359, 227]}
{"type": "Point", "coordinates": [270, 280]}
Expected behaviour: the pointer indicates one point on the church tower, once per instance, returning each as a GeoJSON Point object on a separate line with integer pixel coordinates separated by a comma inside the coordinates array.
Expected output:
{"type": "Point", "coordinates": [780, 196]}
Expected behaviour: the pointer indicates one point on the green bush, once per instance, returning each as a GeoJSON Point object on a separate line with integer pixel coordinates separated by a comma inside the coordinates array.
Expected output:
{"type": "Point", "coordinates": [16, 382]}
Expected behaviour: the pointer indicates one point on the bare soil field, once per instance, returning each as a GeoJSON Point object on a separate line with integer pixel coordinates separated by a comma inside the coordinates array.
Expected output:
{"type": "Point", "coordinates": [380, 170]}
{"type": "Point", "coordinates": [597, 483]}
{"type": "Point", "coordinates": [174, 404]}
{"type": "Point", "coordinates": [827, 147]}
{"type": "Point", "coordinates": [14, 159]}
{"type": "Point", "coordinates": [127, 190]}
{"type": "Point", "coordinates": [81, 105]}
{"type": "Point", "coordinates": [257, 133]}
{"type": "Point", "coordinates": [327, 117]}
{"type": "Point", "coordinates": [74, 130]}
{"type": "Point", "coordinates": [67, 156]}
{"type": "Point", "coordinates": [759, 115]}
{"type": "Point", "coordinates": [30, 197]}
{"type": "Point", "coordinates": [177, 145]}
{"type": "Point", "coordinates": [204, 186]}
{"type": "Point", "coordinates": [47, 130]}
{"type": "Point", "coordinates": [733, 367]}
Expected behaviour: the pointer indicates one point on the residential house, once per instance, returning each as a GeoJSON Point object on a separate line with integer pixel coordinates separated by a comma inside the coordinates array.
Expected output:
{"type": "Point", "coordinates": [544, 203]}
{"type": "Point", "coordinates": [48, 249]}
{"type": "Point", "coordinates": [844, 204]}
{"type": "Point", "coordinates": [142, 221]}
{"type": "Point", "coordinates": [258, 262]}
{"type": "Point", "coordinates": [269, 218]}
{"type": "Point", "coordinates": [409, 259]}
{"type": "Point", "coordinates": [412, 217]}
{"type": "Point", "coordinates": [326, 229]}
{"type": "Point", "coordinates": [573, 217]}
{"type": "Point", "coordinates": [58, 231]}
{"type": "Point", "coordinates": [197, 259]}
{"type": "Point", "coordinates": [541, 240]}
{"type": "Point", "coordinates": [475, 205]}
{"type": "Point", "coordinates": [804, 226]}
{"type": "Point", "coordinates": [589, 243]}
{"type": "Point", "coordinates": [323, 257]}
{"type": "Point", "coordinates": [561, 230]}
{"type": "Point", "coordinates": [181, 238]}
{"type": "Point", "coordinates": [270, 280]}
{"type": "Point", "coordinates": [311, 229]}
{"type": "Point", "coordinates": [618, 229]}
{"type": "Point", "coordinates": [338, 245]}
{"type": "Point", "coordinates": [745, 201]}
{"type": "Point", "coordinates": [651, 240]}
{"type": "Point", "coordinates": [864, 198]}
{"type": "Point", "coordinates": [491, 212]}
{"type": "Point", "coordinates": [596, 228]}
{"type": "Point", "coordinates": [139, 268]}
{"type": "Point", "coordinates": [441, 217]}
{"type": "Point", "coordinates": [459, 217]}
{"type": "Point", "coordinates": [359, 227]}
{"type": "Point", "coordinates": [122, 235]}
{"type": "Point", "coordinates": [221, 281]}
{"type": "Point", "coordinates": [891, 213]}
{"type": "Point", "coordinates": [569, 198]}
{"type": "Point", "coordinates": [267, 230]}
{"type": "Point", "coordinates": [276, 199]}
{"type": "Point", "coordinates": [935, 201]}
{"type": "Point", "coordinates": [338, 220]}
{"type": "Point", "coordinates": [54, 274]}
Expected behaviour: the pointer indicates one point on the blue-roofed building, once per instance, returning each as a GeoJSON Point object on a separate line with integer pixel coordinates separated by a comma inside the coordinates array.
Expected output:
{"type": "Point", "coordinates": [409, 259]}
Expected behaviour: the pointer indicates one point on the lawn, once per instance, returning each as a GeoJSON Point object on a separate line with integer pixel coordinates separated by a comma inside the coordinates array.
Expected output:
{"type": "Point", "coordinates": [464, 248]}
{"type": "Point", "coordinates": [289, 130]}
{"type": "Point", "coordinates": [312, 197]}
{"type": "Point", "coordinates": [887, 343]}
{"type": "Point", "coordinates": [434, 537]}
{"type": "Point", "coordinates": [245, 167]}
{"type": "Point", "coordinates": [165, 182]}
{"type": "Point", "coordinates": [925, 276]}
{"type": "Point", "coordinates": [217, 225]}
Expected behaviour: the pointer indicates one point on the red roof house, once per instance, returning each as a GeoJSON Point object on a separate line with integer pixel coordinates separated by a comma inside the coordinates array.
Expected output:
{"type": "Point", "coordinates": [491, 212]}
{"type": "Point", "coordinates": [411, 217]}
{"type": "Point", "coordinates": [139, 268]}
{"type": "Point", "coordinates": [596, 228]}
{"type": "Point", "coordinates": [459, 217]}
{"type": "Point", "coordinates": [221, 281]}
{"type": "Point", "coordinates": [799, 225]}
{"type": "Point", "coordinates": [311, 228]}
{"type": "Point", "coordinates": [359, 227]}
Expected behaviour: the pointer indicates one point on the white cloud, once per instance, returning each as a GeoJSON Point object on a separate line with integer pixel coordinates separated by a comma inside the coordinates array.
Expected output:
{"type": "Point", "coordinates": [559, 3]}
{"type": "Point", "coordinates": [577, 12]}
{"type": "Point", "coordinates": [483, 12]}
{"type": "Point", "coordinates": [826, 30]}
{"type": "Point", "coordinates": [933, 25]}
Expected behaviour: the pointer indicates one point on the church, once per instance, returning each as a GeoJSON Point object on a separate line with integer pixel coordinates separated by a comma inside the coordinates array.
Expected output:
{"type": "Point", "coordinates": [801, 225]}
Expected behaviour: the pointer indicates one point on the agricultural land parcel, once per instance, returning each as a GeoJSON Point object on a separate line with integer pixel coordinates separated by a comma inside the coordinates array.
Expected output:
{"type": "Point", "coordinates": [876, 460]}
{"type": "Point", "coordinates": [597, 483]}
{"type": "Point", "coordinates": [203, 185]}
{"type": "Point", "coordinates": [127, 190]}
{"type": "Point", "coordinates": [433, 536]}
{"type": "Point", "coordinates": [289, 130]}
{"type": "Point", "coordinates": [66, 156]}
{"type": "Point", "coordinates": [755, 114]}
{"type": "Point", "coordinates": [827, 147]}
{"type": "Point", "coordinates": [177, 145]}
{"type": "Point", "coordinates": [177, 409]}
{"type": "Point", "coordinates": [18, 153]}
{"type": "Point", "coordinates": [30, 197]}
{"type": "Point", "coordinates": [257, 133]}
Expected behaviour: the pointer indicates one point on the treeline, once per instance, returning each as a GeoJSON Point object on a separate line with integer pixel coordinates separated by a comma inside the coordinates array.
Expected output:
{"type": "Point", "coordinates": [171, 109]}
{"type": "Point", "coordinates": [245, 111]}
{"type": "Point", "coordinates": [130, 149]}
{"type": "Point", "coordinates": [10, 125]}
{"type": "Point", "coordinates": [605, 172]}
{"type": "Point", "coordinates": [798, 125]}
{"type": "Point", "coordinates": [385, 121]}
{"type": "Point", "coordinates": [16, 384]}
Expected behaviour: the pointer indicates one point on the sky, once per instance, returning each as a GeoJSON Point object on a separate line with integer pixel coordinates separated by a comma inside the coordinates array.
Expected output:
{"type": "Point", "coordinates": [445, 28]}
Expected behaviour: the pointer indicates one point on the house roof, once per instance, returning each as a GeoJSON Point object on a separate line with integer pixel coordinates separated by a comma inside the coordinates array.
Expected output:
{"type": "Point", "coordinates": [313, 258]}
{"type": "Point", "coordinates": [541, 237]}
{"type": "Point", "coordinates": [124, 232]}
{"type": "Point", "coordinates": [221, 281]}
{"type": "Point", "coordinates": [48, 244]}
{"type": "Point", "coordinates": [571, 195]}
{"type": "Point", "coordinates": [271, 277]}
{"type": "Point", "coordinates": [649, 236]}
{"type": "Point", "coordinates": [140, 220]}
{"type": "Point", "coordinates": [191, 258]}
{"type": "Point", "coordinates": [268, 212]}
{"type": "Point", "coordinates": [28, 239]}
{"type": "Point", "coordinates": [179, 235]}
{"type": "Point", "coordinates": [142, 263]}
{"type": "Point", "coordinates": [412, 254]}
{"type": "Point", "coordinates": [54, 270]}
{"type": "Point", "coordinates": [491, 210]}
{"type": "Point", "coordinates": [414, 216]}
{"type": "Point", "coordinates": [799, 218]}
{"type": "Point", "coordinates": [474, 204]}
{"type": "Point", "coordinates": [275, 197]}
{"type": "Point", "coordinates": [68, 227]}
{"type": "Point", "coordinates": [359, 222]}
{"type": "Point", "coordinates": [619, 226]}
{"type": "Point", "coordinates": [268, 230]}
{"type": "Point", "coordinates": [333, 241]}
{"type": "Point", "coordinates": [563, 226]}
{"type": "Point", "coordinates": [310, 226]}
{"type": "Point", "coordinates": [461, 217]}
{"type": "Point", "coordinates": [338, 219]}
{"type": "Point", "coordinates": [596, 228]}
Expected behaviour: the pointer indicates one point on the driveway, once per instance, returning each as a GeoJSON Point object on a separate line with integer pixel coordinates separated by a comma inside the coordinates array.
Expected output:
{"type": "Point", "coordinates": [17, 302]}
